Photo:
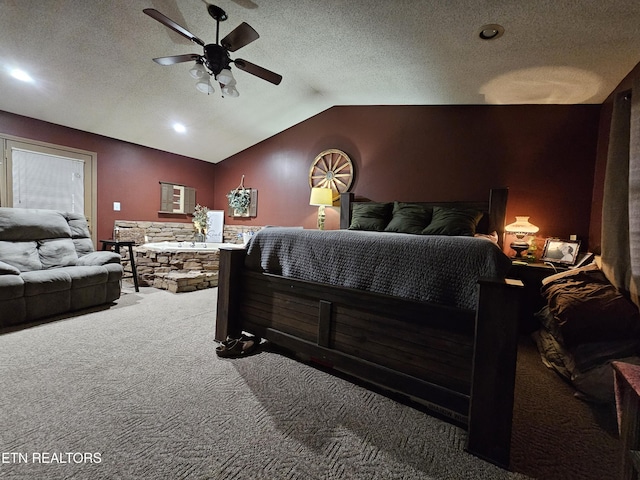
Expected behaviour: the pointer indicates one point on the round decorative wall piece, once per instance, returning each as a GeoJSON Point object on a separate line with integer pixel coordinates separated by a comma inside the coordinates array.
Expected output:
{"type": "Point", "coordinates": [332, 169]}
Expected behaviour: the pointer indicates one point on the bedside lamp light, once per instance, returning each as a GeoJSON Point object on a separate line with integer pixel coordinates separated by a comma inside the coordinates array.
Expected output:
{"type": "Point", "coordinates": [321, 197]}
{"type": "Point", "coordinates": [520, 228]}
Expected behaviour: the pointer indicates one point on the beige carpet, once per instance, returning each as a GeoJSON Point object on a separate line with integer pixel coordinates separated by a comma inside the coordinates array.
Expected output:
{"type": "Point", "coordinates": [136, 391]}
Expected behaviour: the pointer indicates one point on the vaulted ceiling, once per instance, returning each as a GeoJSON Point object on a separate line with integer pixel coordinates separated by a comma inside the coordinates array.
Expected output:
{"type": "Point", "coordinates": [91, 65]}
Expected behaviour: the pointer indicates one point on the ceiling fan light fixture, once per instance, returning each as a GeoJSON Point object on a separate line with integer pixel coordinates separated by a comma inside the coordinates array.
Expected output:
{"type": "Point", "coordinates": [198, 71]}
{"type": "Point", "coordinates": [230, 90]}
{"type": "Point", "coordinates": [225, 77]}
{"type": "Point", "coordinates": [204, 85]}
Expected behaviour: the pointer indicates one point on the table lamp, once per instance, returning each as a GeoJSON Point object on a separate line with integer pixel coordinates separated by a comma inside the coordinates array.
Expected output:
{"type": "Point", "coordinates": [321, 197]}
{"type": "Point", "coordinates": [520, 228]}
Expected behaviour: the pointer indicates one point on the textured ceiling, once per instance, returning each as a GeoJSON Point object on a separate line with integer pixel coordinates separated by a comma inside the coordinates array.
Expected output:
{"type": "Point", "coordinates": [92, 68]}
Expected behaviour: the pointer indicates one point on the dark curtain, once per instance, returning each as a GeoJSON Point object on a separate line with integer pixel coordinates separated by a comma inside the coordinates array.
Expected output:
{"type": "Point", "coordinates": [621, 203]}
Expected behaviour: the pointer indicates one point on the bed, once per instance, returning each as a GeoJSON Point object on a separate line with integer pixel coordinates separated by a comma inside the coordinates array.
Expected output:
{"type": "Point", "coordinates": [454, 357]}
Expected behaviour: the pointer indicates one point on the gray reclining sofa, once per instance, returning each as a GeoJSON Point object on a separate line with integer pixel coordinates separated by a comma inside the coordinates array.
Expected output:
{"type": "Point", "coordinates": [48, 266]}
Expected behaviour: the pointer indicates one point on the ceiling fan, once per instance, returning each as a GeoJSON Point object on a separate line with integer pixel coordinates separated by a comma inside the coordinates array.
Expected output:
{"type": "Point", "coordinates": [215, 60]}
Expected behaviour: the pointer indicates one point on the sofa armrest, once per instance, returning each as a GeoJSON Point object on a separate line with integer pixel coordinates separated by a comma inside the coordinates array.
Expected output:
{"type": "Point", "coordinates": [6, 269]}
{"type": "Point", "coordinates": [98, 258]}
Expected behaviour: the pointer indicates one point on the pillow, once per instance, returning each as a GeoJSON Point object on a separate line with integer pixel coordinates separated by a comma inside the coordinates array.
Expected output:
{"type": "Point", "coordinates": [588, 308]}
{"type": "Point", "coordinates": [409, 218]}
{"type": "Point", "coordinates": [493, 236]}
{"type": "Point", "coordinates": [370, 216]}
{"type": "Point", "coordinates": [453, 221]}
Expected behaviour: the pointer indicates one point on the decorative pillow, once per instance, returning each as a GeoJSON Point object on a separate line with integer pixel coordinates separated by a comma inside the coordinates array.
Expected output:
{"type": "Point", "coordinates": [370, 216]}
{"type": "Point", "coordinates": [453, 221]}
{"type": "Point", "coordinates": [409, 218]}
{"type": "Point", "coordinates": [588, 308]}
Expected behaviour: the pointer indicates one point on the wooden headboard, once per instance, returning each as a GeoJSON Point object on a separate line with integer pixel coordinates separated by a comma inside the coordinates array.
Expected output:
{"type": "Point", "coordinates": [494, 209]}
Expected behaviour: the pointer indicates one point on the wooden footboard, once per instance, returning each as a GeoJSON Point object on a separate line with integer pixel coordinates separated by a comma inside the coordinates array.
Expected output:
{"type": "Point", "coordinates": [459, 363]}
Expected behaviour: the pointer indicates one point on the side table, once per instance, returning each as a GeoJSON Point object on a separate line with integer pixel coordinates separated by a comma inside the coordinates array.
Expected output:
{"type": "Point", "coordinates": [627, 388]}
{"type": "Point", "coordinates": [116, 245]}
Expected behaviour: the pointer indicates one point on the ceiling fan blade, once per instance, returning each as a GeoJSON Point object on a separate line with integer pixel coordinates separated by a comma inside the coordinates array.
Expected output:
{"type": "Point", "coordinates": [240, 36]}
{"type": "Point", "coordinates": [176, 59]}
{"type": "Point", "coordinates": [167, 22]}
{"type": "Point", "coordinates": [258, 71]}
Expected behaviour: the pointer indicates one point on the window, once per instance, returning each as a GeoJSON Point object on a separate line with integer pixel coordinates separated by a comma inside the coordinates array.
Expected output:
{"type": "Point", "coordinates": [40, 175]}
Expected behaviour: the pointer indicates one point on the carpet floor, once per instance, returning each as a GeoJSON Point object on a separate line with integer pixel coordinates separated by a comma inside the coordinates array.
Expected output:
{"type": "Point", "coordinates": [136, 391]}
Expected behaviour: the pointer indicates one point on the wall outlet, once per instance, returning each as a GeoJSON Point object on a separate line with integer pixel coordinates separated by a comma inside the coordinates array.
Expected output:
{"type": "Point", "coordinates": [116, 206]}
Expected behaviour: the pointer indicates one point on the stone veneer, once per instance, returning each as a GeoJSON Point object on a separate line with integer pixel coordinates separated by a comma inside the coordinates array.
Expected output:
{"type": "Point", "coordinates": [174, 271]}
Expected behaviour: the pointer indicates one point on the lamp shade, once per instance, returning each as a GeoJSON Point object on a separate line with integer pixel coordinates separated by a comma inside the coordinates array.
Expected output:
{"type": "Point", "coordinates": [204, 85]}
{"type": "Point", "coordinates": [198, 71]}
{"type": "Point", "coordinates": [321, 196]}
{"type": "Point", "coordinates": [230, 90]}
{"type": "Point", "coordinates": [225, 77]}
{"type": "Point", "coordinates": [521, 226]}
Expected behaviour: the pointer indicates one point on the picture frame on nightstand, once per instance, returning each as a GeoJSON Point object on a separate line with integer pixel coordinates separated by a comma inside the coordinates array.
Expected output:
{"type": "Point", "coordinates": [562, 252]}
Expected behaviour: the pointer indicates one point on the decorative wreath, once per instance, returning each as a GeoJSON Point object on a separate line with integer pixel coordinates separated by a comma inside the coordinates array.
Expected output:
{"type": "Point", "coordinates": [240, 198]}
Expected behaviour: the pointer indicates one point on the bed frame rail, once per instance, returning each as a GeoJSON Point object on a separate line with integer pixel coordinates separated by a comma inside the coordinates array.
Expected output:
{"type": "Point", "coordinates": [458, 363]}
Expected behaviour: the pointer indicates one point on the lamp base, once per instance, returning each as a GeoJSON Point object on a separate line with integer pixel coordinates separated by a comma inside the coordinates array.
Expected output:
{"type": "Point", "coordinates": [321, 217]}
{"type": "Point", "coordinates": [519, 247]}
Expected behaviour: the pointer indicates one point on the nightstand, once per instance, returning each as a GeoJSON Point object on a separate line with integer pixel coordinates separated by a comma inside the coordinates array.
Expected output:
{"type": "Point", "coordinates": [531, 275]}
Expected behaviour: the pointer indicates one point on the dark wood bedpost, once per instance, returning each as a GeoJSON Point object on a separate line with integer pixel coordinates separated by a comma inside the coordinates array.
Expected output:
{"type": "Point", "coordinates": [346, 199]}
{"type": "Point", "coordinates": [231, 262]}
{"type": "Point", "coordinates": [494, 371]}
{"type": "Point", "coordinates": [498, 212]}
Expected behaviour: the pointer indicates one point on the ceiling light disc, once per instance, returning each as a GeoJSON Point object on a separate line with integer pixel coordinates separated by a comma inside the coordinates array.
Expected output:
{"type": "Point", "coordinates": [491, 31]}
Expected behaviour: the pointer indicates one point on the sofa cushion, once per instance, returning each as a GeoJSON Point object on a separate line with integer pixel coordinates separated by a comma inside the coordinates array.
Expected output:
{"type": "Point", "coordinates": [99, 258]}
{"type": "Point", "coordinates": [6, 269]}
{"type": "Point", "coordinates": [78, 225]}
{"type": "Point", "coordinates": [57, 252]}
{"type": "Point", "coordinates": [115, 271]}
{"type": "Point", "coordinates": [83, 246]}
{"type": "Point", "coordinates": [22, 255]}
{"type": "Point", "coordinates": [11, 286]}
{"type": "Point", "coordinates": [85, 276]}
{"type": "Point", "coordinates": [46, 281]}
{"type": "Point", "coordinates": [20, 224]}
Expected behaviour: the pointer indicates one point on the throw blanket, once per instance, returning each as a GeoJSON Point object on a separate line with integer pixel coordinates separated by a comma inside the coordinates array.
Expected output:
{"type": "Point", "coordinates": [438, 269]}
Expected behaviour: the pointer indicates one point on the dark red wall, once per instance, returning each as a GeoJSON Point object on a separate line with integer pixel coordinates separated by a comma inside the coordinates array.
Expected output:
{"type": "Point", "coordinates": [127, 173]}
{"type": "Point", "coordinates": [545, 154]}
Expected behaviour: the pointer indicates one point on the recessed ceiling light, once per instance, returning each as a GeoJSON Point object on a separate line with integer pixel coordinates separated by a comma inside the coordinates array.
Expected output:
{"type": "Point", "coordinates": [491, 31]}
{"type": "Point", "coordinates": [180, 128]}
{"type": "Point", "coordinates": [21, 75]}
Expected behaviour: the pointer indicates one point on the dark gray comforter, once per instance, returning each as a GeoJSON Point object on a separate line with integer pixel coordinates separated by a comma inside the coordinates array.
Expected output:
{"type": "Point", "coordinates": [439, 269]}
